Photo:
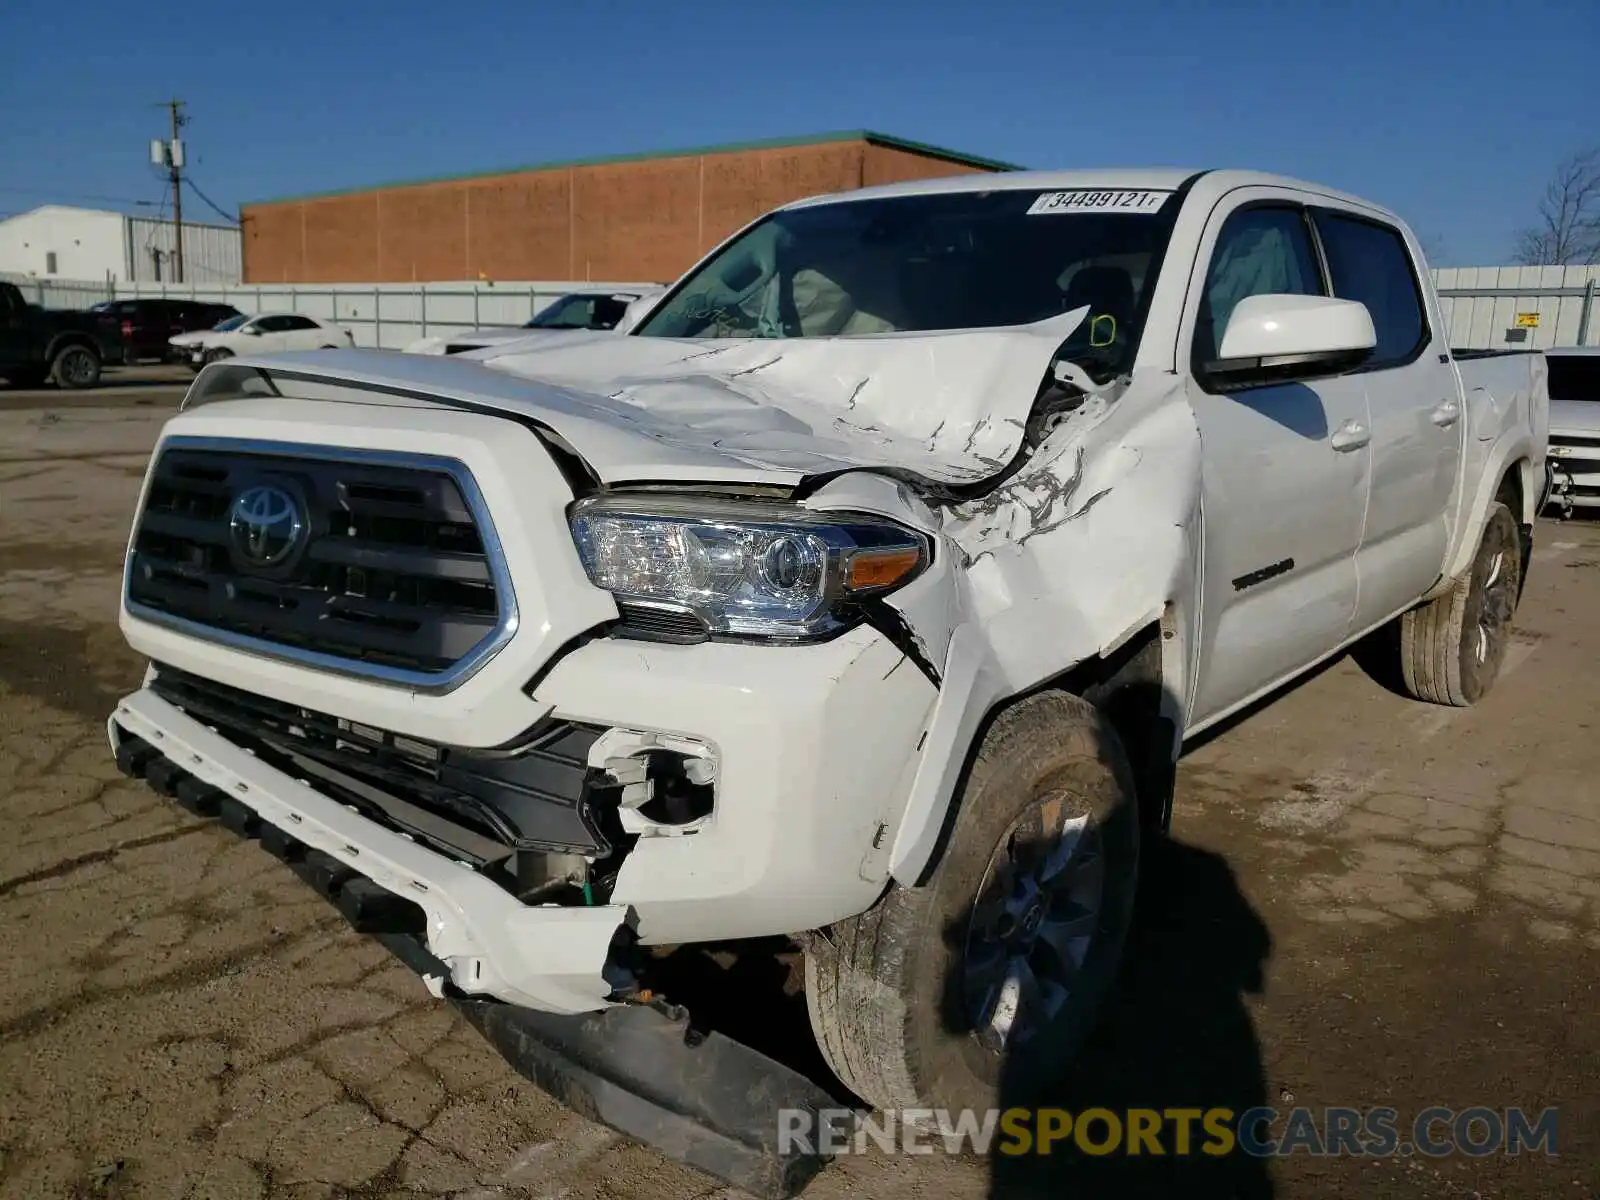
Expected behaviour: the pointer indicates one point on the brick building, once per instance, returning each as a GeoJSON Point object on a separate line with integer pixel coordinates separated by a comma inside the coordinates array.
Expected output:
{"type": "Point", "coordinates": [635, 217]}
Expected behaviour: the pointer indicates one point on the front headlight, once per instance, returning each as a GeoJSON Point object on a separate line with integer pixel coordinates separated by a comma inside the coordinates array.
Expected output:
{"type": "Point", "coordinates": [744, 569]}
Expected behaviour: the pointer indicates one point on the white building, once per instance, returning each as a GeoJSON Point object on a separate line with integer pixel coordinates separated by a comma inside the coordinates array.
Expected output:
{"type": "Point", "coordinates": [59, 242]}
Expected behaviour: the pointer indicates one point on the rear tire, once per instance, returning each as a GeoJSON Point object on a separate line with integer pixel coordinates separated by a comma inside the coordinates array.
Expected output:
{"type": "Point", "coordinates": [1451, 647]}
{"type": "Point", "coordinates": [901, 997]}
{"type": "Point", "coordinates": [74, 367]}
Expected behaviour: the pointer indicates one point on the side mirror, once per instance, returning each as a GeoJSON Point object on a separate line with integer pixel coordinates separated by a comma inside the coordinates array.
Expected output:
{"type": "Point", "coordinates": [1285, 336]}
{"type": "Point", "coordinates": [251, 332]}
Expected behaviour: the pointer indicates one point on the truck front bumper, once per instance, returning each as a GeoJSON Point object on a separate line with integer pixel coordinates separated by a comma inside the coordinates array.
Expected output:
{"type": "Point", "coordinates": [546, 957]}
{"type": "Point", "coordinates": [814, 749]}
{"type": "Point", "coordinates": [699, 1097]}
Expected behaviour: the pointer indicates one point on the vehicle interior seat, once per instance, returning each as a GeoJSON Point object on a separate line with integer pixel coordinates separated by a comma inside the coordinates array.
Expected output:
{"type": "Point", "coordinates": [850, 293]}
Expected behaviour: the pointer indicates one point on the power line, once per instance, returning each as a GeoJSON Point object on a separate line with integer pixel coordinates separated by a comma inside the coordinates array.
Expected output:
{"type": "Point", "coordinates": [33, 191]}
{"type": "Point", "coordinates": [226, 216]}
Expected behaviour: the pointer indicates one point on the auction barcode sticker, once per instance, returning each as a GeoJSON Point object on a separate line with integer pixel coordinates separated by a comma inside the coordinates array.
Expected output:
{"type": "Point", "coordinates": [1124, 200]}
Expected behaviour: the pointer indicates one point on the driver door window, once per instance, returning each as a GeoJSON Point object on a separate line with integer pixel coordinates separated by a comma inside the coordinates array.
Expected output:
{"type": "Point", "coordinates": [1260, 251]}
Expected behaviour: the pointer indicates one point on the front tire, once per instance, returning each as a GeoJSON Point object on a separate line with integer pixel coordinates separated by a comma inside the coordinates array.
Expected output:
{"type": "Point", "coordinates": [1002, 958]}
{"type": "Point", "coordinates": [1451, 647]}
{"type": "Point", "coordinates": [75, 367]}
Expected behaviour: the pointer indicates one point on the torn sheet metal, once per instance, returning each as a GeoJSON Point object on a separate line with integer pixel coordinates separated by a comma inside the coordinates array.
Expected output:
{"type": "Point", "coordinates": [1094, 538]}
{"type": "Point", "coordinates": [1115, 480]}
{"type": "Point", "coordinates": [1117, 488]}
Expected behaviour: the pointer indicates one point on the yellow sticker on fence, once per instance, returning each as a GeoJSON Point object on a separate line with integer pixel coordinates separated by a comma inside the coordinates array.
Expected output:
{"type": "Point", "coordinates": [1527, 320]}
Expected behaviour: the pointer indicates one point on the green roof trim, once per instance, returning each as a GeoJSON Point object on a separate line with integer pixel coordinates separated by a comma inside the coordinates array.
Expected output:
{"type": "Point", "coordinates": [872, 138]}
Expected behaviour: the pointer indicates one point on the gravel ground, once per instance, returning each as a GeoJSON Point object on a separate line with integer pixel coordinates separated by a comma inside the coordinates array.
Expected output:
{"type": "Point", "coordinates": [1364, 901]}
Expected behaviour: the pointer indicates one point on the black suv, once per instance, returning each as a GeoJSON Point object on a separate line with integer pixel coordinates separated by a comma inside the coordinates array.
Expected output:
{"type": "Point", "coordinates": [147, 323]}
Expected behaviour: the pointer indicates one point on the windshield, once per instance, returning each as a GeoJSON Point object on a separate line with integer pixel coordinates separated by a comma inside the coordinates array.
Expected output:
{"type": "Point", "coordinates": [230, 323]}
{"type": "Point", "coordinates": [581, 312]}
{"type": "Point", "coordinates": [960, 260]}
{"type": "Point", "coordinates": [1574, 376]}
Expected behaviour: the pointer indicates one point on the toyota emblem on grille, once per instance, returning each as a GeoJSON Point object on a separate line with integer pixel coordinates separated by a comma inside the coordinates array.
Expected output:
{"type": "Point", "coordinates": [266, 524]}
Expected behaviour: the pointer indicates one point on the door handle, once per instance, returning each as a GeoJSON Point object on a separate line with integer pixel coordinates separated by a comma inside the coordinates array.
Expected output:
{"type": "Point", "coordinates": [1446, 413]}
{"type": "Point", "coordinates": [1352, 435]}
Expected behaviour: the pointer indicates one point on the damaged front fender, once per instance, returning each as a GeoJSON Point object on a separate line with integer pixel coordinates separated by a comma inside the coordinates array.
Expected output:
{"type": "Point", "coordinates": [1096, 537]}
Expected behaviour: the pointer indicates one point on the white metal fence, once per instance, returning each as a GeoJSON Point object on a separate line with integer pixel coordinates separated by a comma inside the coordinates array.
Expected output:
{"type": "Point", "coordinates": [1535, 307]}
{"type": "Point", "coordinates": [389, 315]}
{"type": "Point", "coordinates": [1486, 307]}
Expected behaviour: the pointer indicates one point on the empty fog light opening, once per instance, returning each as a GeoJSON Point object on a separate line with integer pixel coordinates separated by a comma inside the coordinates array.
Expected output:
{"type": "Point", "coordinates": [667, 784]}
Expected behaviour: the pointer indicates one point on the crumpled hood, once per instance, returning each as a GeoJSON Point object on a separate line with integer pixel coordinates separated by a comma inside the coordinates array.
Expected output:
{"type": "Point", "coordinates": [194, 337]}
{"type": "Point", "coordinates": [1575, 416]}
{"type": "Point", "coordinates": [948, 408]}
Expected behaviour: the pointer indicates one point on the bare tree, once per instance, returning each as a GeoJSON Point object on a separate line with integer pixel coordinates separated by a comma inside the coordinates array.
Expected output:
{"type": "Point", "coordinates": [1433, 248]}
{"type": "Point", "coordinates": [1568, 228]}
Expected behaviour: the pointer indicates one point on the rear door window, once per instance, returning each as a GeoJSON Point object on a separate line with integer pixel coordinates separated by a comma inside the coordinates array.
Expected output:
{"type": "Point", "coordinates": [1369, 262]}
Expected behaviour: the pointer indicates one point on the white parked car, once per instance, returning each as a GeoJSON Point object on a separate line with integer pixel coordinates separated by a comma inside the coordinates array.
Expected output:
{"type": "Point", "coordinates": [1575, 426]}
{"type": "Point", "coordinates": [608, 310]}
{"type": "Point", "coordinates": [260, 335]}
{"type": "Point", "coordinates": [864, 592]}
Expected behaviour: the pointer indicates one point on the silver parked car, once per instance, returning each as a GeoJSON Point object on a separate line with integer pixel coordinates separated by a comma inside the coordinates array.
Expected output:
{"type": "Point", "coordinates": [1575, 427]}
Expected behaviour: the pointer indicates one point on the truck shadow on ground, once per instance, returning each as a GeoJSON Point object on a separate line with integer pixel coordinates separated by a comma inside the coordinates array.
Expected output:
{"type": "Point", "coordinates": [1175, 1034]}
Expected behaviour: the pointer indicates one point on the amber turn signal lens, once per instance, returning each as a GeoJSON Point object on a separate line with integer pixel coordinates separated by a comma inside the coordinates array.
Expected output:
{"type": "Point", "coordinates": [871, 569]}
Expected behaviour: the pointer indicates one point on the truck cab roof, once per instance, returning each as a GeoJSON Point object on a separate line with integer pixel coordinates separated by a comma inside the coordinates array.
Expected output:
{"type": "Point", "coordinates": [1211, 181]}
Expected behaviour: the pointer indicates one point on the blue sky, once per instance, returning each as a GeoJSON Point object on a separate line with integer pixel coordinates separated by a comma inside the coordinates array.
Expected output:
{"type": "Point", "coordinates": [1454, 114]}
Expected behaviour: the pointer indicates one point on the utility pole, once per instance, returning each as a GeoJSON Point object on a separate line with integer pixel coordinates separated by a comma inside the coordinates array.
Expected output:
{"type": "Point", "coordinates": [169, 154]}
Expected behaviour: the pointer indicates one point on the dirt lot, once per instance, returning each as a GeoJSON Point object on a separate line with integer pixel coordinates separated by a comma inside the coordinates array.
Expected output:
{"type": "Point", "coordinates": [1365, 901]}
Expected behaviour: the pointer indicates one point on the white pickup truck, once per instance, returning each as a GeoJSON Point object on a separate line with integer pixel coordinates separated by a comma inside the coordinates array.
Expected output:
{"type": "Point", "coordinates": [865, 592]}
